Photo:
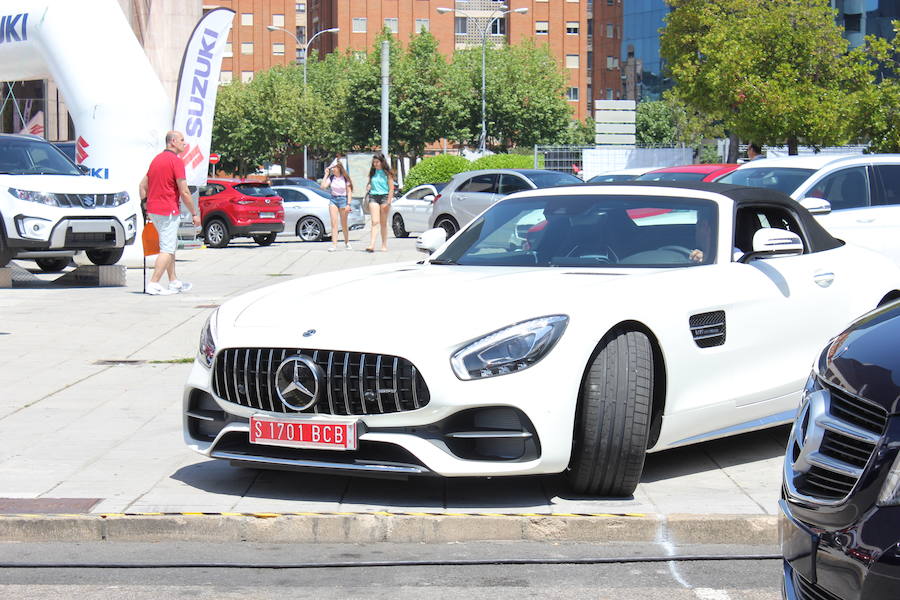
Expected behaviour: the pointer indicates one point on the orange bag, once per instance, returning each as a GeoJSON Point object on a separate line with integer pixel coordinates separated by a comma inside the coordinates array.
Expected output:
{"type": "Point", "coordinates": [150, 239]}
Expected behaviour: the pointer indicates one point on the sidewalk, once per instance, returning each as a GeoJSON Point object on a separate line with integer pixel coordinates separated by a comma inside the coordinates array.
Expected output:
{"type": "Point", "coordinates": [90, 418]}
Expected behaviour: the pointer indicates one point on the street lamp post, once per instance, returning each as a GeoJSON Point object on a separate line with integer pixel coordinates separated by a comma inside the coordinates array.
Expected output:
{"type": "Point", "coordinates": [305, 56]}
{"type": "Point", "coordinates": [442, 10]}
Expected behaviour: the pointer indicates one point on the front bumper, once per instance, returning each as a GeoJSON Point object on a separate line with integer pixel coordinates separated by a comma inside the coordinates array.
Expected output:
{"type": "Point", "coordinates": [72, 233]}
{"type": "Point", "coordinates": [857, 562]}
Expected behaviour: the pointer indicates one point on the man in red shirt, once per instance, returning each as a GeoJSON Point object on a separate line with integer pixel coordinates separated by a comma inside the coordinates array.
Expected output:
{"type": "Point", "coordinates": [162, 186]}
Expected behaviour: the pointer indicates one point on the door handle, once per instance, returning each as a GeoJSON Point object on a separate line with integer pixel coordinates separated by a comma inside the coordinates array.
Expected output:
{"type": "Point", "coordinates": [823, 278]}
{"type": "Point", "coordinates": [866, 220]}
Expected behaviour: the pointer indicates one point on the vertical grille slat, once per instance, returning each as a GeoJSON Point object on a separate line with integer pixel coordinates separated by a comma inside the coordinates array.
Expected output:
{"type": "Point", "coordinates": [246, 376]}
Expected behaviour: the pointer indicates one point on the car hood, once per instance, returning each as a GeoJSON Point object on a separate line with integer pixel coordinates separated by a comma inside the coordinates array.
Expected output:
{"type": "Point", "coordinates": [375, 308]}
{"type": "Point", "coordinates": [60, 184]}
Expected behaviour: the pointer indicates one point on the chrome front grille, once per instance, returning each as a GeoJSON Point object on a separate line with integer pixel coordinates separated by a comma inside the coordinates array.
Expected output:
{"type": "Point", "coordinates": [833, 439]}
{"type": "Point", "coordinates": [354, 383]}
{"type": "Point", "coordinates": [806, 590]}
{"type": "Point", "coordinates": [86, 200]}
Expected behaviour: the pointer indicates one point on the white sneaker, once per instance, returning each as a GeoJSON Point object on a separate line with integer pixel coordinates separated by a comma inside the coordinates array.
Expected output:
{"type": "Point", "coordinates": [180, 286]}
{"type": "Point", "coordinates": [332, 248]}
{"type": "Point", "coordinates": [347, 246]}
{"type": "Point", "coordinates": [154, 289]}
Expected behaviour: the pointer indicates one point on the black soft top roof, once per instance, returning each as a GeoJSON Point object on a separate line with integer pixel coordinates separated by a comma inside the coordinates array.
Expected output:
{"type": "Point", "coordinates": [819, 239]}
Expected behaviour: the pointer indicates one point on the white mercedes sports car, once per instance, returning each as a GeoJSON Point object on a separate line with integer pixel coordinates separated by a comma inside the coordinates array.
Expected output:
{"type": "Point", "coordinates": [570, 329]}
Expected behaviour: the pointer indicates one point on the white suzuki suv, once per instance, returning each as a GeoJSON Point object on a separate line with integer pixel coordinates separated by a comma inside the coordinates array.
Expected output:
{"type": "Point", "coordinates": [50, 209]}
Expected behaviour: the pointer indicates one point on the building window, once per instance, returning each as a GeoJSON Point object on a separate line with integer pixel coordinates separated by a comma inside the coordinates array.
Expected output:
{"type": "Point", "coordinates": [225, 77]}
{"type": "Point", "coordinates": [360, 25]}
{"type": "Point", "coordinates": [423, 25]}
{"type": "Point", "coordinates": [572, 94]}
{"type": "Point", "coordinates": [612, 62]}
{"type": "Point", "coordinates": [301, 34]}
{"type": "Point", "coordinates": [228, 50]}
{"type": "Point", "coordinates": [461, 25]}
{"type": "Point", "coordinates": [246, 47]}
{"type": "Point", "coordinates": [541, 27]}
{"type": "Point", "coordinates": [609, 94]}
{"type": "Point", "coordinates": [498, 27]}
{"type": "Point", "coordinates": [246, 18]}
{"type": "Point", "coordinates": [853, 23]}
{"type": "Point", "coordinates": [571, 61]}
{"type": "Point", "coordinates": [610, 30]}
{"type": "Point", "coordinates": [278, 20]}
{"type": "Point", "coordinates": [301, 7]}
{"type": "Point", "coordinates": [278, 49]}
{"type": "Point", "coordinates": [590, 61]}
{"type": "Point", "coordinates": [571, 27]}
{"type": "Point", "coordinates": [392, 25]}
{"type": "Point", "coordinates": [246, 76]}
{"type": "Point", "coordinates": [590, 26]}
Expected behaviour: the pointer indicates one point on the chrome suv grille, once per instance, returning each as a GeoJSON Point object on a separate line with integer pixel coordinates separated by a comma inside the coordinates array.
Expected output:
{"type": "Point", "coordinates": [807, 590]}
{"type": "Point", "coordinates": [833, 439]}
{"type": "Point", "coordinates": [86, 200]}
{"type": "Point", "coordinates": [353, 383]}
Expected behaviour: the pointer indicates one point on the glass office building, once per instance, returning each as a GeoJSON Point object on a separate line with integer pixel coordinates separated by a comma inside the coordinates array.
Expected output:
{"type": "Point", "coordinates": [641, 24]}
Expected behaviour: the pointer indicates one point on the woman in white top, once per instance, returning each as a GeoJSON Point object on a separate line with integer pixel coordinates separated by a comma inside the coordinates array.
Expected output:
{"type": "Point", "coordinates": [338, 181]}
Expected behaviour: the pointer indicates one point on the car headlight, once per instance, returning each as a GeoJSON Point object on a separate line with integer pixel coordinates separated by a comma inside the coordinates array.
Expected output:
{"type": "Point", "coordinates": [207, 351]}
{"type": "Point", "coordinates": [39, 197]}
{"type": "Point", "coordinates": [120, 198]}
{"type": "Point", "coordinates": [890, 491]}
{"type": "Point", "coordinates": [509, 350]}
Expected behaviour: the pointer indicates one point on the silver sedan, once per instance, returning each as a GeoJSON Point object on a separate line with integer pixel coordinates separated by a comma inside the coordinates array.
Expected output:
{"type": "Point", "coordinates": [410, 212]}
{"type": "Point", "coordinates": [306, 213]}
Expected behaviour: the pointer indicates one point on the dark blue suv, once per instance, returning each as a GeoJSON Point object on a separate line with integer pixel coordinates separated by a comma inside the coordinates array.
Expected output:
{"type": "Point", "coordinates": [840, 522]}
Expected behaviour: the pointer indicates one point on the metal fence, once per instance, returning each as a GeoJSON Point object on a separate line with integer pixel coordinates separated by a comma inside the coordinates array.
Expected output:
{"type": "Point", "coordinates": [587, 161]}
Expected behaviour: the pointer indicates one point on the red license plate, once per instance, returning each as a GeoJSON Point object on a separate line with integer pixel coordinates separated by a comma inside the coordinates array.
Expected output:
{"type": "Point", "coordinates": [320, 435]}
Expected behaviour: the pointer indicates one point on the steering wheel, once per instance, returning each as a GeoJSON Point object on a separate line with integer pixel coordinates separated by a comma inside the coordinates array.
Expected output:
{"type": "Point", "coordinates": [685, 252]}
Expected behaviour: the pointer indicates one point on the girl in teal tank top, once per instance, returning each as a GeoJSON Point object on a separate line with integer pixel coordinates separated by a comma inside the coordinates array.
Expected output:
{"type": "Point", "coordinates": [381, 191]}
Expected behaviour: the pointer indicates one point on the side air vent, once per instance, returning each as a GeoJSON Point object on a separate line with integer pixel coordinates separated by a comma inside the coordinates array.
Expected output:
{"type": "Point", "coordinates": [708, 328]}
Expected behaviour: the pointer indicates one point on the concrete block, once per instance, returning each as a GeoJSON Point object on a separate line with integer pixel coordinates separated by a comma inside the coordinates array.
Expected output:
{"type": "Point", "coordinates": [44, 528]}
{"type": "Point", "coordinates": [95, 275]}
{"type": "Point", "coordinates": [5, 277]}
{"type": "Point", "coordinates": [592, 529]}
{"type": "Point", "coordinates": [722, 529]}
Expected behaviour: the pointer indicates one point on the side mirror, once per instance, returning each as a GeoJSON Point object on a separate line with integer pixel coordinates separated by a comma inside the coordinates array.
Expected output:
{"type": "Point", "coordinates": [770, 242]}
{"type": "Point", "coordinates": [430, 240]}
{"type": "Point", "coordinates": [428, 197]}
{"type": "Point", "coordinates": [816, 206]}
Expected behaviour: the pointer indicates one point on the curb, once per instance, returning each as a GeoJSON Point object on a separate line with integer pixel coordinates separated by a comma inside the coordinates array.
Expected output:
{"type": "Point", "coordinates": [428, 528]}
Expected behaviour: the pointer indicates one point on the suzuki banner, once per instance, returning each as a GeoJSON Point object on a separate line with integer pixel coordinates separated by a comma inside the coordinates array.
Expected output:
{"type": "Point", "coordinates": [198, 83]}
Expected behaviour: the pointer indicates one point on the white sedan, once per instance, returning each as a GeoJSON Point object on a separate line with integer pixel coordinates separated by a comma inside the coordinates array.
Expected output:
{"type": "Point", "coordinates": [624, 324]}
{"type": "Point", "coordinates": [411, 211]}
{"type": "Point", "coordinates": [306, 213]}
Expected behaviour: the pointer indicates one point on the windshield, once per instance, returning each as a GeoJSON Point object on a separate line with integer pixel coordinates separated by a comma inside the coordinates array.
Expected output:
{"type": "Point", "coordinates": [20, 156]}
{"type": "Point", "coordinates": [545, 179]}
{"type": "Point", "coordinates": [775, 178]}
{"type": "Point", "coordinates": [257, 190]}
{"type": "Point", "coordinates": [672, 176]}
{"type": "Point", "coordinates": [589, 231]}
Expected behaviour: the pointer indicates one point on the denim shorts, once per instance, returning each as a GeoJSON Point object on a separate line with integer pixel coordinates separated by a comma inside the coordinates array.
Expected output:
{"type": "Point", "coordinates": [339, 201]}
{"type": "Point", "coordinates": [378, 198]}
{"type": "Point", "coordinates": [167, 226]}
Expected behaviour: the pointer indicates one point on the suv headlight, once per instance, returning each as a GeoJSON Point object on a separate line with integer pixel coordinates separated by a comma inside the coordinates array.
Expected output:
{"type": "Point", "coordinates": [509, 350]}
{"type": "Point", "coordinates": [120, 198]}
{"type": "Point", "coordinates": [39, 197]}
{"type": "Point", "coordinates": [890, 492]}
{"type": "Point", "coordinates": [207, 350]}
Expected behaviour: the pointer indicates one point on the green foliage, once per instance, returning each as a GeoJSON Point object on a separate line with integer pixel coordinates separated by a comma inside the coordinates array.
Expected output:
{"type": "Point", "coordinates": [655, 124]}
{"type": "Point", "coordinates": [504, 161]}
{"type": "Point", "coordinates": [708, 154]}
{"type": "Point", "coordinates": [877, 120]}
{"type": "Point", "coordinates": [435, 169]}
{"type": "Point", "coordinates": [773, 72]}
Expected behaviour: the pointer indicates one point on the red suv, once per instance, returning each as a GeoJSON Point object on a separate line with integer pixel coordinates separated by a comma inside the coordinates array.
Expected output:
{"type": "Point", "coordinates": [234, 208]}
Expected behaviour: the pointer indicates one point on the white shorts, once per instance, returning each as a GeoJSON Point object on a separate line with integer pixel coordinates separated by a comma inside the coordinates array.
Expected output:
{"type": "Point", "coordinates": [167, 226]}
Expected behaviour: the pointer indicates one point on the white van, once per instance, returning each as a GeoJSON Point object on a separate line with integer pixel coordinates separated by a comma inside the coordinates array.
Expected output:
{"type": "Point", "coordinates": [50, 209]}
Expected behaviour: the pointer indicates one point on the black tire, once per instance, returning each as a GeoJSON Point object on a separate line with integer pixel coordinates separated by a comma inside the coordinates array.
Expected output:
{"type": "Point", "coordinates": [53, 264]}
{"type": "Point", "coordinates": [6, 254]}
{"type": "Point", "coordinates": [105, 256]}
{"type": "Point", "coordinates": [448, 224]}
{"type": "Point", "coordinates": [216, 233]}
{"type": "Point", "coordinates": [265, 240]}
{"type": "Point", "coordinates": [399, 227]}
{"type": "Point", "coordinates": [612, 421]}
{"type": "Point", "coordinates": [310, 229]}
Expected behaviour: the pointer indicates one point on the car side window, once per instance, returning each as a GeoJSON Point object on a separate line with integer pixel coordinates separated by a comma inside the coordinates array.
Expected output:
{"type": "Point", "coordinates": [291, 196]}
{"type": "Point", "coordinates": [749, 220]}
{"type": "Point", "coordinates": [847, 188]}
{"type": "Point", "coordinates": [889, 178]}
{"type": "Point", "coordinates": [208, 190]}
{"type": "Point", "coordinates": [419, 194]}
{"type": "Point", "coordinates": [512, 183]}
{"type": "Point", "coordinates": [484, 183]}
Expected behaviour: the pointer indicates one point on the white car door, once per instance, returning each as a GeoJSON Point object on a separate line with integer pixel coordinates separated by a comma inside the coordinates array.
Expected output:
{"type": "Point", "coordinates": [419, 209]}
{"type": "Point", "coordinates": [473, 196]}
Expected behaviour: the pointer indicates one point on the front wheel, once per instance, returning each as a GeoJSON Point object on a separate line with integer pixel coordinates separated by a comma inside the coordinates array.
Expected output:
{"type": "Point", "coordinates": [216, 234]}
{"type": "Point", "coordinates": [310, 229]}
{"type": "Point", "coordinates": [6, 254]}
{"type": "Point", "coordinates": [399, 227]}
{"type": "Point", "coordinates": [448, 224]}
{"type": "Point", "coordinates": [265, 240]}
{"type": "Point", "coordinates": [53, 264]}
{"type": "Point", "coordinates": [612, 421]}
{"type": "Point", "coordinates": [105, 256]}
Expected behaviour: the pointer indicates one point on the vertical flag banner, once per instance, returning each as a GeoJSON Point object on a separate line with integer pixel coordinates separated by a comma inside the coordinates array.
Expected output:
{"type": "Point", "coordinates": [198, 84]}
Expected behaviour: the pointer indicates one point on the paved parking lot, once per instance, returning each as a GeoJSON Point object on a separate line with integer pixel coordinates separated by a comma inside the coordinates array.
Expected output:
{"type": "Point", "coordinates": [90, 407]}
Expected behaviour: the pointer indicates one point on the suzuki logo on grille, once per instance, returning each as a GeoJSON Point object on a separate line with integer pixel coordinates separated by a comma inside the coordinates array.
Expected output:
{"type": "Point", "coordinates": [89, 200]}
{"type": "Point", "coordinates": [807, 434]}
{"type": "Point", "coordinates": [297, 382]}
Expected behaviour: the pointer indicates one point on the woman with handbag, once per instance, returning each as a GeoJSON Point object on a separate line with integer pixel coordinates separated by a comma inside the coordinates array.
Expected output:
{"type": "Point", "coordinates": [380, 190]}
{"type": "Point", "coordinates": [338, 181]}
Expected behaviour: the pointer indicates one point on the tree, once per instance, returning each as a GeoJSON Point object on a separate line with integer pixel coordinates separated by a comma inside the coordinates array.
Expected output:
{"type": "Point", "coordinates": [655, 124]}
{"type": "Point", "coordinates": [878, 118]}
{"type": "Point", "coordinates": [235, 136]}
{"type": "Point", "coordinates": [771, 71]}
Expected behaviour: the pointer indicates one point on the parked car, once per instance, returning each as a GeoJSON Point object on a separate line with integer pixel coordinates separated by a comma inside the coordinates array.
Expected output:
{"type": "Point", "coordinates": [700, 172]}
{"type": "Point", "coordinates": [470, 192]}
{"type": "Point", "coordinates": [856, 198]}
{"type": "Point", "coordinates": [231, 208]}
{"type": "Point", "coordinates": [620, 175]}
{"type": "Point", "coordinates": [299, 181]}
{"type": "Point", "coordinates": [607, 339]}
{"type": "Point", "coordinates": [840, 521]}
{"type": "Point", "coordinates": [410, 212]}
{"type": "Point", "coordinates": [306, 213]}
{"type": "Point", "coordinates": [50, 209]}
